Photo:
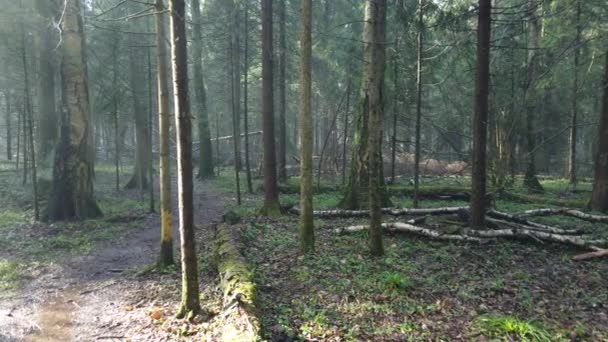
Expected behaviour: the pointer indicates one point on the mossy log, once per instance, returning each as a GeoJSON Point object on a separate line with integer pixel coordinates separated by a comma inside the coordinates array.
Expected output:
{"type": "Point", "coordinates": [239, 291]}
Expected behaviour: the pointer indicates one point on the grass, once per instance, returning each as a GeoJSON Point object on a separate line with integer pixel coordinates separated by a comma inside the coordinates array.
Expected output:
{"type": "Point", "coordinates": [510, 328]}
{"type": "Point", "coordinates": [10, 277]}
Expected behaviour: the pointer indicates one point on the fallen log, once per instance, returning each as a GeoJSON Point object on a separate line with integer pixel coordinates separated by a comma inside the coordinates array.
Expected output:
{"type": "Point", "coordinates": [481, 235]}
{"type": "Point", "coordinates": [563, 211]}
{"type": "Point", "coordinates": [532, 225]}
{"type": "Point", "coordinates": [387, 211]}
{"type": "Point", "coordinates": [236, 282]}
{"type": "Point", "coordinates": [409, 228]}
{"type": "Point", "coordinates": [535, 235]}
{"type": "Point", "coordinates": [597, 253]}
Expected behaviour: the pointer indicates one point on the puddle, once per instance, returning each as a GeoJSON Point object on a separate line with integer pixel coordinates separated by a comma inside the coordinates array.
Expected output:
{"type": "Point", "coordinates": [55, 317]}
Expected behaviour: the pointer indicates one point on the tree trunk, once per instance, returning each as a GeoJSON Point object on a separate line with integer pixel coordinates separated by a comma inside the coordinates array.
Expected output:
{"type": "Point", "coordinates": [271, 193]}
{"type": "Point", "coordinates": [115, 114]}
{"type": "Point", "coordinates": [72, 193]}
{"type": "Point", "coordinates": [373, 79]}
{"type": "Point", "coordinates": [166, 220]}
{"type": "Point", "coordinates": [9, 147]}
{"type": "Point", "coordinates": [530, 180]}
{"type": "Point", "coordinates": [307, 238]}
{"type": "Point", "coordinates": [235, 86]}
{"type": "Point", "coordinates": [282, 95]}
{"type": "Point", "coordinates": [395, 100]}
{"type": "Point", "coordinates": [30, 123]}
{"type": "Point", "coordinates": [345, 138]}
{"type": "Point", "coordinates": [139, 179]}
{"type": "Point", "coordinates": [480, 124]}
{"type": "Point", "coordinates": [574, 118]}
{"type": "Point", "coordinates": [205, 158]}
{"type": "Point", "coordinates": [417, 147]}
{"type": "Point", "coordinates": [190, 304]}
{"type": "Point", "coordinates": [48, 118]}
{"type": "Point", "coordinates": [599, 197]}
{"type": "Point", "coordinates": [246, 99]}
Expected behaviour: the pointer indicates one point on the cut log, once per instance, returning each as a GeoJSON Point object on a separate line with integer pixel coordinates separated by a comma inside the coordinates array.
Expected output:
{"type": "Point", "coordinates": [387, 211]}
{"type": "Point", "coordinates": [236, 281]}
{"type": "Point", "coordinates": [597, 253]}
{"type": "Point", "coordinates": [532, 225]}
{"type": "Point", "coordinates": [411, 229]}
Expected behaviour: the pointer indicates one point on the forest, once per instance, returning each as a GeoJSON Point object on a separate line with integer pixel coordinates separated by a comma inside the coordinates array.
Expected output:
{"type": "Point", "coordinates": [303, 170]}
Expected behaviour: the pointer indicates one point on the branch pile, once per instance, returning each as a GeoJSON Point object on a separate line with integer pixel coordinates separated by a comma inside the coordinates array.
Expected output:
{"type": "Point", "coordinates": [236, 282]}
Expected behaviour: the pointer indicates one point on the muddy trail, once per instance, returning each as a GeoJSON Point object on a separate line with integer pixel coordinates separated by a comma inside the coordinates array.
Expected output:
{"type": "Point", "coordinates": [107, 294]}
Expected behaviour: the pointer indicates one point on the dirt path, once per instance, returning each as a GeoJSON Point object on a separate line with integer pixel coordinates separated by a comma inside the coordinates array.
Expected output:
{"type": "Point", "coordinates": [97, 296]}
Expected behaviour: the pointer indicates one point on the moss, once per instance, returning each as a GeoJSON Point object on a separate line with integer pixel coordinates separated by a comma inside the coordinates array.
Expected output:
{"type": "Point", "coordinates": [239, 290]}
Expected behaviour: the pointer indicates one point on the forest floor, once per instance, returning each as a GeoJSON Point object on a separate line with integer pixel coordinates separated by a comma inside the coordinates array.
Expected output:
{"type": "Point", "coordinates": [94, 280]}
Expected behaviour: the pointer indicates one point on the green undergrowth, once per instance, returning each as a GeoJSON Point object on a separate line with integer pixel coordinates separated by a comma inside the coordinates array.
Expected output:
{"type": "Point", "coordinates": [10, 275]}
{"type": "Point", "coordinates": [423, 289]}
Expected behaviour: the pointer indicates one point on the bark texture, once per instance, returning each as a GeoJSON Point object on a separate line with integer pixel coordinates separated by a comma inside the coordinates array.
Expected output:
{"type": "Point", "coordinates": [190, 304]}
{"type": "Point", "coordinates": [480, 123]}
{"type": "Point", "coordinates": [271, 192]}
{"type": "Point", "coordinates": [599, 197]}
{"type": "Point", "coordinates": [164, 118]}
{"type": "Point", "coordinates": [72, 193]}
{"type": "Point", "coordinates": [307, 238]}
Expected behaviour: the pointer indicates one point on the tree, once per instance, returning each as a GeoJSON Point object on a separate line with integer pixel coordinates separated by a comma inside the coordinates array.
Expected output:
{"type": "Point", "coordinates": [374, 32]}
{"type": "Point", "coordinates": [190, 304]}
{"type": "Point", "coordinates": [139, 180]}
{"type": "Point", "coordinates": [271, 192]}
{"type": "Point", "coordinates": [418, 124]}
{"type": "Point", "coordinates": [282, 155]}
{"type": "Point", "coordinates": [166, 220]}
{"type": "Point", "coordinates": [574, 117]}
{"type": "Point", "coordinates": [246, 97]}
{"type": "Point", "coordinates": [480, 124]}
{"type": "Point", "coordinates": [48, 118]}
{"type": "Point", "coordinates": [599, 197]}
{"type": "Point", "coordinates": [205, 157]}
{"type": "Point", "coordinates": [235, 92]}
{"type": "Point", "coordinates": [72, 190]}
{"type": "Point", "coordinates": [530, 180]}
{"type": "Point", "coordinates": [307, 237]}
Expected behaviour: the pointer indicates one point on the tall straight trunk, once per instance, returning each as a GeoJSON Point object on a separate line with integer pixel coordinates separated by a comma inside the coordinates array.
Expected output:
{"type": "Point", "coordinates": [72, 193]}
{"type": "Point", "coordinates": [574, 118]}
{"type": "Point", "coordinates": [345, 138]}
{"type": "Point", "coordinates": [115, 115]}
{"type": "Point", "coordinates": [26, 158]}
{"type": "Point", "coordinates": [599, 197]}
{"type": "Point", "coordinates": [282, 95]}
{"type": "Point", "coordinates": [480, 124]}
{"type": "Point", "coordinates": [235, 87]}
{"type": "Point", "coordinates": [271, 192]}
{"type": "Point", "coordinates": [190, 304]}
{"type": "Point", "coordinates": [417, 147]}
{"type": "Point", "coordinates": [47, 116]}
{"type": "Point", "coordinates": [530, 180]}
{"type": "Point", "coordinates": [307, 237]}
{"type": "Point", "coordinates": [373, 79]}
{"type": "Point", "coordinates": [139, 180]}
{"type": "Point", "coordinates": [30, 122]}
{"type": "Point", "coordinates": [205, 158]}
{"type": "Point", "coordinates": [395, 98]}
{"type": "Point", "coordinates": [164, 122]}
{"type": "Point", "coordinates": [18, 135]}
{"type": "Point", "coordinates": [9, 140]}
{"type": "Point", "coordinates": [150, 153]}
{"type": "Point", "coordinates": [246, 98]}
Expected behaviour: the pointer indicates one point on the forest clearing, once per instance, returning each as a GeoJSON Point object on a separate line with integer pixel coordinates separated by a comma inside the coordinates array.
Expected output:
{"type": "Point", "coordinates": [299, 170]}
